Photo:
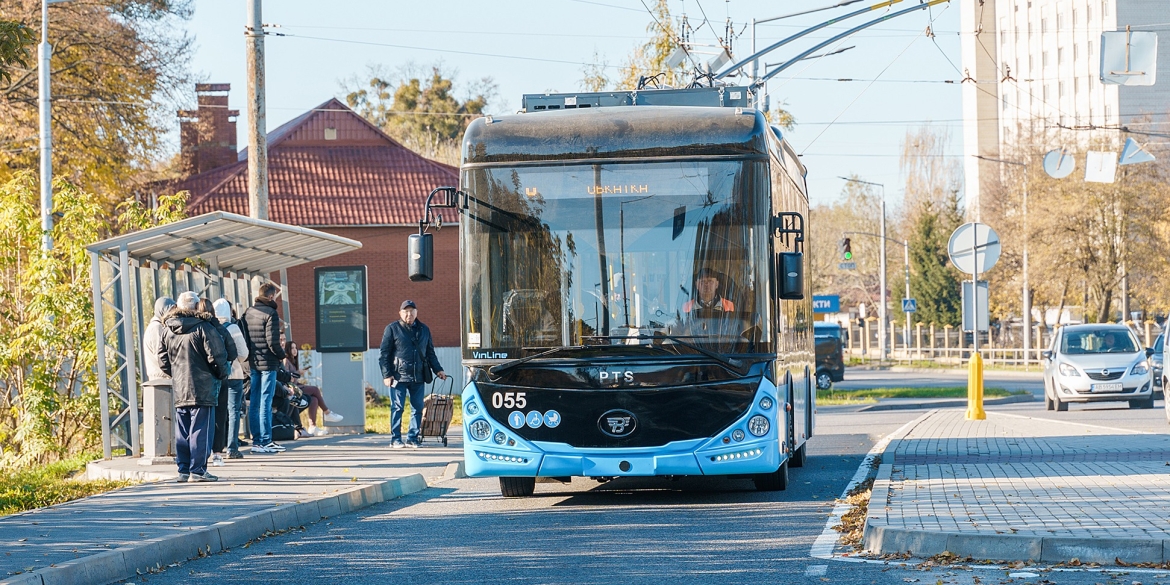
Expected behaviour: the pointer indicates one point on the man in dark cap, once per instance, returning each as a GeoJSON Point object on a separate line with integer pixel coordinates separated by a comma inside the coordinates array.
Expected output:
{"type": "Point", "coordinates": [407, 359]}
{"type": "Point", "coordinates": [708, 284]}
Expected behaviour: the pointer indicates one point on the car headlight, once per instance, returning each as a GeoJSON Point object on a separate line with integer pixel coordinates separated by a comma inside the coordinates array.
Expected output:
{"type": "Point", "coordinates": [480, 430]}
{"type": "Point", "coordinates": [758, 425]}
{"type": "Point", "coordinates": [472, 408]}
{"type": "Point", "coordinates": [1068, 370]}
{"type": "Point", "coordinates": [1142, 368]}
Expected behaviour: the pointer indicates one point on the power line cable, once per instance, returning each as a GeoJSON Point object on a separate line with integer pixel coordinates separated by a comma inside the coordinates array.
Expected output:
{"type": "Point", "coordinates": [452, 51]}
{"type": "Point", "coordinates": [861, 93]}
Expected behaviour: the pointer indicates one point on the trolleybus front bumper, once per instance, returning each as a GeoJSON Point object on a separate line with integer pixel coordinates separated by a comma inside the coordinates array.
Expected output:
{"type": "Point", "coordinates": [504, 453]}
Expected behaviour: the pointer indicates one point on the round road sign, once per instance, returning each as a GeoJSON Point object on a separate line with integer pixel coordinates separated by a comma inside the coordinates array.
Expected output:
{"type": "Point", "coordinates": [974, 245]}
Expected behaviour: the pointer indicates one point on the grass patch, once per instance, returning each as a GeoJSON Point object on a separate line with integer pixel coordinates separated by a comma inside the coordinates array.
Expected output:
{"type": "Point", "coordinates": [378, 416]}
{"type": "Point", "coordinates": [26, 489]}
{"type": "Point", "coordinates": [871, 395]}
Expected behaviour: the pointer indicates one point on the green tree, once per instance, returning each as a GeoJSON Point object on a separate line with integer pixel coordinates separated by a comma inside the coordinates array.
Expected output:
{"type": "Point", "coordinates": [420, 111]}
{"type": "Point", "coordinates": [933, 281]}
{"type": "Point", "coordinates": [117, 69]}
{"type": "Point", "coordinates": [49, 404]}
{"type": "Point", "coordinates": [932, 212]}
{"type": "Point", "coordinates": [15, 37]}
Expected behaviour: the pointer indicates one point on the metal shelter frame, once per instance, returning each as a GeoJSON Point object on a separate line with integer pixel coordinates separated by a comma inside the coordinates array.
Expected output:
{"type": "Point", "coordinates": [229, 253]}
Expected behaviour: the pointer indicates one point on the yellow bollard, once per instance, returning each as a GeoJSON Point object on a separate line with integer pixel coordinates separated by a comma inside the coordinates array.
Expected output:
{"type": "Point", "coordinates": [975, 388]}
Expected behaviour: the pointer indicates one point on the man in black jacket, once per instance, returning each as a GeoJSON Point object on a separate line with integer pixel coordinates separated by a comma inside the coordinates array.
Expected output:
{"type": "Point", "coordinates": [262, 331]}
{"type": "Point", "coordinates": [193, 355]}
{"type": "Point", "coordinates": [407, 359]}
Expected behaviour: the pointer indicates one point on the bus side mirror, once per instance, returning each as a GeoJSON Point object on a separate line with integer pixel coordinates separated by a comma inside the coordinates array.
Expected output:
{"type": "Point", "coordinates": [791, 273]}
{"type": "Point", "coordinates": [420, 264]}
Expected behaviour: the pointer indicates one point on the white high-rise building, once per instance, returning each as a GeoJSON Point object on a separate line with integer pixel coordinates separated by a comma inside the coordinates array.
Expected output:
{"type": "Point", "coordinates": [1034, 66]}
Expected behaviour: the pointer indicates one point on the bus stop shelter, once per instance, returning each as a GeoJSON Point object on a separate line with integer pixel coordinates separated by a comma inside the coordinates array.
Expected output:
{"type": "Point", "coordinates": [216, 254]}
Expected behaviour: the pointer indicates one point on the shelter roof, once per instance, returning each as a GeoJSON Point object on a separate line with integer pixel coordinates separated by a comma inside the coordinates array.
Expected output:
{"type": "Point", "coordinates": [327, 167]}
{"type": "Point", "coordinates": [233, 243]}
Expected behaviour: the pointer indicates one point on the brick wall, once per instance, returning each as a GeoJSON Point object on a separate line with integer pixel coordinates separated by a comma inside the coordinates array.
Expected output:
{"type": "Point", "coordinates": [384, 255]}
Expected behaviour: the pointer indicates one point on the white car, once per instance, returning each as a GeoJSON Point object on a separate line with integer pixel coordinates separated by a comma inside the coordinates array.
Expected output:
{"type": "Point", "coordinates": [1097, 363]}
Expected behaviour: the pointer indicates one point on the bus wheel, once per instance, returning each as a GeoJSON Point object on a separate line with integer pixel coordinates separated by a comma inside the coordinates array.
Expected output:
{"type": "Point", "coordinates": [772, 482]}
{"type": "Point", "coordinates": [798, 456]}
{"type": "Point", "coordinates": [517, 487]}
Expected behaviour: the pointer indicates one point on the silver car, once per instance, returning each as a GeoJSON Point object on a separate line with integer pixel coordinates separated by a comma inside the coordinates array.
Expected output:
{"type": "Point", "coordinates": [1097, 363]}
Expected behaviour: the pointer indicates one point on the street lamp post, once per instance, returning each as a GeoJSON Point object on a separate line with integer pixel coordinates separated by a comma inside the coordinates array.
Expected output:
{"type": "Point", "coordinates": [44, 51]}
{"type": "Point", "coordinates": [882, 347]}
{"type": "Point", "coordinates": [1026, 320]}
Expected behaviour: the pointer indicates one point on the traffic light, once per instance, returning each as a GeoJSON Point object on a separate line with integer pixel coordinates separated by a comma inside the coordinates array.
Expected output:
{"type": "Point", "coordinates": [846, 249]}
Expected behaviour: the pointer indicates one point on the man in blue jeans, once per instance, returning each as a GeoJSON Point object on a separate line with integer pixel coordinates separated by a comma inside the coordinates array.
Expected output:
{"type": "Point", "coordinates": [407, 358]}
{"type": "Point", "coordinates": [262, 327]}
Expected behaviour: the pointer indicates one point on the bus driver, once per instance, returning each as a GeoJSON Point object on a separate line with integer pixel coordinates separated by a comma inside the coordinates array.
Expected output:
{"type": "Point", "coordinates": [708, 285]}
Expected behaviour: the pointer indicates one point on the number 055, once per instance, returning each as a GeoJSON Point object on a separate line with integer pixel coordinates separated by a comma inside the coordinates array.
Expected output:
{"type": "Point", "coordinates": [509, 400]}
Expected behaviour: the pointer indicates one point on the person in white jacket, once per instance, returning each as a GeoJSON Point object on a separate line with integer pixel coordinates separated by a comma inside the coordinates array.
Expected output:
{"type": "Point", "coordinates": [232, 401]}
{"type": "Point", "coordinates": [152, 337]}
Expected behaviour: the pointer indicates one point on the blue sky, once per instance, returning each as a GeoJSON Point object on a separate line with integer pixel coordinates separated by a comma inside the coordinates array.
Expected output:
{"type": "Point", "coordinates": [843, 127]}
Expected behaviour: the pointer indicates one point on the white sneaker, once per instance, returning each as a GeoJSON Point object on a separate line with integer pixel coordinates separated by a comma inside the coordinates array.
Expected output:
{"type": "Point", "coordinates": [312, 432]}
{"type": "Point", "coordinates": [217, 460]}
{"type": "Point", "coordinates": [332, 417]}
{"type": "Point", "coordinates": [321, 432]}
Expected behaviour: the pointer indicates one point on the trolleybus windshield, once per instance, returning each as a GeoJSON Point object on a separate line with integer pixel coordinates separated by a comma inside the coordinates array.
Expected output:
{"type": "Point", "coordinates": [619, 254]}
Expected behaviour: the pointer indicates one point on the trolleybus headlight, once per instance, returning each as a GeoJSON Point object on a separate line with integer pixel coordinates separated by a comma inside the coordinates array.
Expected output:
{"type": "Point", "coordinates": [499, 438]}
{"type": "Point", "coordinates": [758, 425]}
{"type": "Point", "coordinates": [480, 430]}
{"type": "Point", "coordinates": [765, 403]}
{"type": "Point", "coordinates": [472, 408]}
{"type": "Point", "coordinates": [737, 434]}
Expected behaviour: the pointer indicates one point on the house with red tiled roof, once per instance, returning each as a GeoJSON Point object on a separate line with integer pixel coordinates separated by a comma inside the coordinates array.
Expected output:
{"type": "Point", "coordinates": [334, 171]}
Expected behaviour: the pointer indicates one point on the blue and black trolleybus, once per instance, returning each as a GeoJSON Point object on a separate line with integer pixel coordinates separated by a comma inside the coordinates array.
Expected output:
{"type": "Point", "coordinates": [633, 292]}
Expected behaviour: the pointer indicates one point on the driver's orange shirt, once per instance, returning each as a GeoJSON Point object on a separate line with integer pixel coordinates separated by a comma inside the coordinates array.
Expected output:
{"type": "Point", "coordinates": [724, 304]}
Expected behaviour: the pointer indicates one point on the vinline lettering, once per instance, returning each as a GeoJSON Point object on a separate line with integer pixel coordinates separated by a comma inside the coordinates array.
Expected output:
{"type": "Point", "coordinates": [489, 355]}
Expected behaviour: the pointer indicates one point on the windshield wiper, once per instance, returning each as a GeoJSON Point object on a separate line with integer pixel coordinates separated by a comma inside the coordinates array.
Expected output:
{"type": "Point", "coordinates": [732, 363]}
{"type": "Point", "coordinates": [500, 368]}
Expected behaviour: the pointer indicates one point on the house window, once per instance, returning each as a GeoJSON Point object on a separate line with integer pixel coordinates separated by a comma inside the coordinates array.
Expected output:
{"type": "Point", "coordinates": [1029, 62]}
{"type": "Point", "coordinates": [1060, 87]}
{"type": "Point", "coordinates": [1074, 17]}
{"type": "Point", "coordinates": [1060, 56]}
{"type": "Point", "coordinates": [1046, 92]}
{"type": "Point", "coordinates": [1044, 58]}
{"type": "Point", "coordinates": [1076, 51]}
{"type": "Point", "coordinates": [1043, 25]}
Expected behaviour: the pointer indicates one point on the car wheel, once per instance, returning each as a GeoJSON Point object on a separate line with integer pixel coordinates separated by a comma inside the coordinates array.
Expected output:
{"type": "Point", "coordinates": [773, 482]}
{"type": "Point", "coordinates": [824, 380]}
{"type": "Point", "coordinates": [1060, 406]}
{"type": "Point", "coordinates": [517, 487]}
{"type": "Point", "coordinates": [1145, 403]}
{"type": "Point", "coordinates": [1048, 405]}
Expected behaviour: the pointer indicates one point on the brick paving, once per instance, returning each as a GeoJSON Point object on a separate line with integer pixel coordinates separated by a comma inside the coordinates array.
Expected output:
{"type": "Point", "coordinates": [1013, 475]}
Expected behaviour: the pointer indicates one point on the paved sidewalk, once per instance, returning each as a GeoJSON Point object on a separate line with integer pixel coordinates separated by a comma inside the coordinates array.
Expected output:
{"type": "Point", "coordinates": [108, 537]}
{"type": "Point", "coordinates": [1019, 488]}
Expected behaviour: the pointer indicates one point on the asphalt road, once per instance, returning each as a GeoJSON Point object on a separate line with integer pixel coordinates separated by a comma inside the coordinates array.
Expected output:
{"type": "Point", "coordinates": [636, 531]}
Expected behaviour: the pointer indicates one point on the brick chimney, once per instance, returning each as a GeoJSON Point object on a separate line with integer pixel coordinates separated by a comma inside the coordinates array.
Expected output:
{"type": "Point", "coordinates": [207, 135]}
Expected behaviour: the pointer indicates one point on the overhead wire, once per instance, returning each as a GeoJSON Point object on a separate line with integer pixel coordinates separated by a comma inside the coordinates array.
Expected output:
{"type": "Point", "coordinates": [452, 51]}
{"type": "Point", "coordinates": [859, 94]}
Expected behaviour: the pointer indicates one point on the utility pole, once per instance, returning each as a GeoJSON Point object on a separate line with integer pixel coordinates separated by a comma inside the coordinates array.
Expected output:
{"type": "Point", "coordinates": [257, 138]}
{"type": "Point", "coordinates": [44, 51]}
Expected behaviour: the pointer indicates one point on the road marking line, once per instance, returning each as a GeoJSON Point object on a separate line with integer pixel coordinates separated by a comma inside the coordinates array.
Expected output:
{"type": "Point", "coordinates": [816, 570]}
{"type": "Point", "coordinates": [823, 547]}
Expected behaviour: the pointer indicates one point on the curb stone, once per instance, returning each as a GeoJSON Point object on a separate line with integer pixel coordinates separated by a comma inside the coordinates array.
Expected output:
{"type": "Point", "coordinates": [126, 562]}
{"type": "Point", "coordinates": [455, 470]}
{"type": "Point", "coordinates": [948, 403]}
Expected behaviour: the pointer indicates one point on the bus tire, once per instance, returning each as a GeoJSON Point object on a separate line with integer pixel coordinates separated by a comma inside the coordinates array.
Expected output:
{"type": "Point", "coordinates": [773, 482]}
{"type": "Point", "coordinates": [798, 456]}
{"type": "Point", "coordinates": [517, 487]}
